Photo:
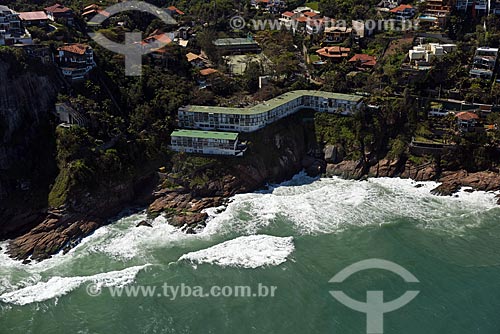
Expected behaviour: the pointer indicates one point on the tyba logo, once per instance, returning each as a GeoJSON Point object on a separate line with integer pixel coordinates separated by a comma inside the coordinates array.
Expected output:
{"type": "Point", "coordinates": [133, 49]}
{"type": "Point", "coordinates": [374, 306]}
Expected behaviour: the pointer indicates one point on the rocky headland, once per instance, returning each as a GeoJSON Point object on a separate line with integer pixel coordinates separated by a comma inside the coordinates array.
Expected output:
{"type": "Point", "coordinates": [189, 184]}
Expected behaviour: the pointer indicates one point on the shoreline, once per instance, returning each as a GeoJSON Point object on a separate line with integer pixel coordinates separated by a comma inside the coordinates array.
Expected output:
{"type": "Point", "coordinates": [451, 181]}
{"type": "Point", "coordinates": [185, 209]}
{"type": "Point", "coordinates": [188, 184]}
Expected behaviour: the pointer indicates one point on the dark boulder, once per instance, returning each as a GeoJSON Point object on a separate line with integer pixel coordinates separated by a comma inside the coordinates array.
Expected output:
{"type": "Point", "coordinates": [144, 223]}
{"type": "Point", "coordinates": [446, 189]}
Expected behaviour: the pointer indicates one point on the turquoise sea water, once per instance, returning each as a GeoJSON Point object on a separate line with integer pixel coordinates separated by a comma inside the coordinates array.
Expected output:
{"type": "Point", "coordinates": [305, 232]}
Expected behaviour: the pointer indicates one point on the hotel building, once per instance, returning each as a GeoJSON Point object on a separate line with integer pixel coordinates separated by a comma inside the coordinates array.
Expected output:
{"type": "Point", "coordinates": [206, 142]}
{"type": "Point", "coordinates": [257, 117]}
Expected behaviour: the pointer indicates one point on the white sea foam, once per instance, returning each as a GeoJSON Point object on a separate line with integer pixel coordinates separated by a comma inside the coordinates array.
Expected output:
{"type": "Point", "coordinates": [300, 206]}
{"type": "Point", "coordinates": [332, 205]}
{"type": "Point", "coordinates": [58, 286]}
{"type": "Point", "coordinates": [123, 241]}
{"type": "Point", "coordinates": [248, 252]}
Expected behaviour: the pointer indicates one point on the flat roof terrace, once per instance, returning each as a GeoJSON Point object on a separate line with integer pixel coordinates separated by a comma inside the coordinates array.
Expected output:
{"type": "Point", "coordinates": [205, 134]}
{"type": "Point", "coordinates": [234, 42]}
{"type": "Point", "coordinates": [274, 103]}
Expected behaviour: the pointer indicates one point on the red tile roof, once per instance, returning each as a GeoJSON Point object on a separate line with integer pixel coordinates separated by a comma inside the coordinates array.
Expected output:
{"type": "Point", "coordinates": [366, 60]}
{"type": "Point", "coordinates": [288, 14]}
{"type": "Point", "coordinates": [74, 48]}
{"type": "Point", "coordinates": [97, 11]}
{"type": "Point", "coordinates": [467, 116]}
{"type": "Point", "coordinates": [192, 57]}
{"type": "Point", "coordinates": [175, 10]}
{"type": "Point", "coordinates": [208, 71]}
{"type": "Point", "coordinates": [401, 8]}
{"type": "Point", "coordinates": [89, 7]}
{"type": "Point", "coordinates": [301, 19]}
{"type": "Point", "coordinates": [334, 52]}
{"type": "Point", "coordinates": [57, 8]}
{"type": "Point", "coordinates": [310, 14]}
{"type": "Point", "coordinates": [160, 37]}
{"type": "Point", "coordinates": [32, 16]}
{"type": "Point", "coordinates": [316, 22]}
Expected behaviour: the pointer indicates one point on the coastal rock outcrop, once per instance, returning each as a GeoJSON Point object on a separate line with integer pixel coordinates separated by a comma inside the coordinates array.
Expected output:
{"type": "Point", "coordinates": [348, 169]}
{"type": "Point", "coordinates": [64, 227]}
{"type": "Point", "coordinates": [275, 154]}
{"type": "Point", "coordinates": [53, 234]}
{"type": "Point", "coordinates": [333, 154]}
{"type": "Point", "coordinates": [484, 181]}
{"type": "Point", "coordinates": [451, 181]}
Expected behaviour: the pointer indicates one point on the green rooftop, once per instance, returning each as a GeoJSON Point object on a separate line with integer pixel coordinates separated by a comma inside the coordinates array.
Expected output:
{"type": "Point", "coordinates": [233, 42]}
{"type": "Point", "coordinates": [205, 134]}
{"type": "Point", "coordinates": [273, 103]}
{"type": "Point", "coordinates": [436, 105]}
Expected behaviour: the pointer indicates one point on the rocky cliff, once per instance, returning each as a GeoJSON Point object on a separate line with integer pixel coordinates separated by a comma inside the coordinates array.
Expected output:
{"type": "Point", "coordinates": [64, 227]}
{"type": "Point", "coordinates": [27, 164]}
{"type": "Point", "coordinates": [188, 185]}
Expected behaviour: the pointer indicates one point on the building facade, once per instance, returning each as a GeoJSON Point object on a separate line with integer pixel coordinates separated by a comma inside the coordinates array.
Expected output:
{"type": "Point", "coordinates": [437, 12]}
{"type": "Point", "coordinates": [257, 117]}
{"type": "Point", "coordinates": [34, 18]}
{"type": "Point", "coordinates": [237, 45]}
{"type": "Point", "coordinates": [11, 30]}
{"type": "Point", "coordinates": [60, 12]}
{"type": "Point", "coordinates": [422, 55]}
{"type": "Point", "coordinates": [467, 121]}
{"type": "Point", "coordinates": [483, 65]}
{"type": "Point", "coordinates": [206, 142]}
{"type": "Point", "coordinates": [70, 116]}
{"type": "Point", "coordinates": [75, 60]}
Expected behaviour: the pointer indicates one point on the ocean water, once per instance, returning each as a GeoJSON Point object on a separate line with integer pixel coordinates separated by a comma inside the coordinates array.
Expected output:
{"type": "Point", "coordinates": [293, 238]}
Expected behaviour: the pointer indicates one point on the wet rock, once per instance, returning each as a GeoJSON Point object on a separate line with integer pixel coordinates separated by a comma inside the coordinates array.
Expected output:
{"type": "Point", "coordinates": [446, 189]}
{"type": "Point", "coordinates": [384, 168]}
{"type": "Point", "coordinates": [425, 172]}
{"type": "Point", "coordinates": [333, 154]}
{"type": "Point", "coordinates": [144, 223]}
{"type": "Point", "coordinates": [51, 236]}
{"type": "Point", "coordinates": [316, 168]}
{"type": "Point", "coordinates": [498, 197]}
{"type": "Point", "coordinates": [482, 181]}
{"type": "Point", "coordinates": [26, 261]}
{"type": "Point", "coordinates": [188, 219]}
{"type": "Point", "coordinates": [307, 161]}
{"type": "Point", "coordinates": [348, 169]}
